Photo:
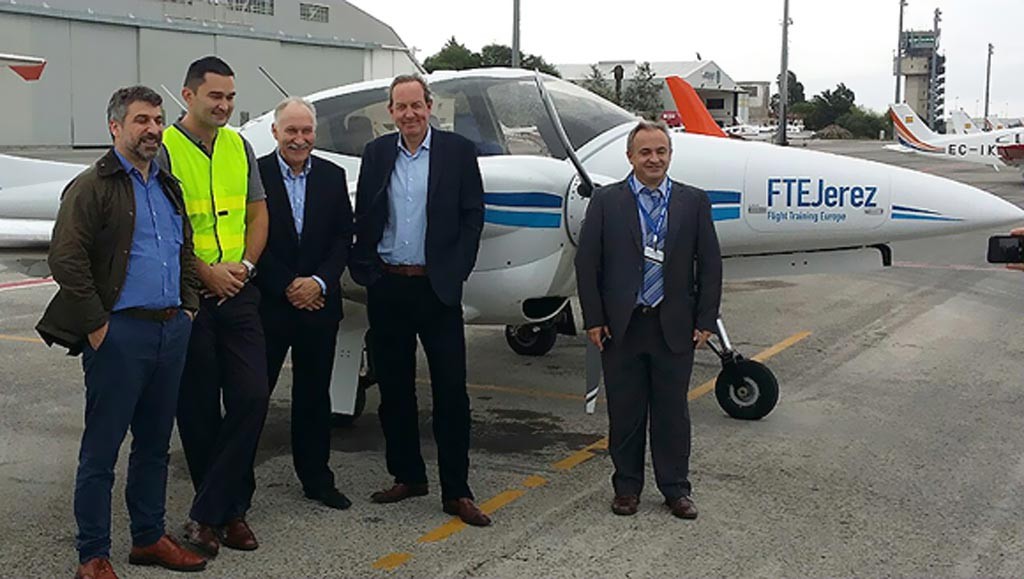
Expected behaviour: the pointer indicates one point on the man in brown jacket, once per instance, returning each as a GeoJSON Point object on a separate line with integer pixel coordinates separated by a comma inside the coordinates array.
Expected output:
{"type": "Point", "coordinates": [122, 256]}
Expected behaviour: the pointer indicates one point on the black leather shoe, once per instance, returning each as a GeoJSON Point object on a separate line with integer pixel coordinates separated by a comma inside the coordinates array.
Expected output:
{"type": "Point", "coordinates": [683, 508]}
{"type": "Point", "coordinates": [330, 497]}
{"type": "Point", "coordinates": [625, 505]}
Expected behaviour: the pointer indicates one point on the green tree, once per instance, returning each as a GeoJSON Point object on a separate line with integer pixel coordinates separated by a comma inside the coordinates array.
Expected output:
{"type": "Point", "coordinates": [501, 55]}
{"type": "Point", "coordinates": [643, 93]}
{"type": "Point", "coordinates": [453, 56]}
{"type": "Point", "coordinates": [829, 106]}
{"type": "Point", "coordinates": [796, 94]}
{"type": "Point", "coordinates": [596, 83]}
{"type": "Point", "coordinates": [864, 123]}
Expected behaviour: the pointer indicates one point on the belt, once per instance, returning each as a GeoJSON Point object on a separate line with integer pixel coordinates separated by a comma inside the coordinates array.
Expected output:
{"type": "Point", "coordinates": [162, 315]}
{"type": "Point", "coordinates": [406, 270]}
{"type": "Point", "coordinates": [647, 310]}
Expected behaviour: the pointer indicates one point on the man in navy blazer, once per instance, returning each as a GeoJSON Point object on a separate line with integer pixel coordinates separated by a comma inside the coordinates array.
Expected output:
{"type": "Point", "coordinates": [300, 281]}
{"type": "Point", "coordinates": [419, 215]}
{"type": "Point", "coordinates": [649, 272]}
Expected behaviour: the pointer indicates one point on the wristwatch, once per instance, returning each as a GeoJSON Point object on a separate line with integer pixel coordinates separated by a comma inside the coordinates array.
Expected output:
{"type": "Point", "coordinates": [250, 268]}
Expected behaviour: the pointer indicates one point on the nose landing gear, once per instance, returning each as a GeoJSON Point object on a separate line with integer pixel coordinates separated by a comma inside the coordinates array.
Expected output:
{"type": "Point", "coordinates": [745, 389]}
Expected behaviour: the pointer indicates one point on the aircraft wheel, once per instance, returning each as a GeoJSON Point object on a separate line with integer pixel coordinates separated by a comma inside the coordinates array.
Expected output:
{"type": "Point", "coordinates": [747, 390]}
{"type": "Point", "coordinates": [340, 420]}
{"type": "Point", "coordinates": [531, 339]}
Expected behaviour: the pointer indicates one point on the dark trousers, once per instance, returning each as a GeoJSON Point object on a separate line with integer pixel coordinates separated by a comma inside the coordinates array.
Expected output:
{"type": "Point", "coordinates": [644, 378]}
{"type": "Point", "coordinates": [226, 362]}
{"type": "Point", "coordinates": [400, 309]}
{"type": "Point", "coordinates": [312, 349]}
{"type": "Point", "coordinates": [130, 382]}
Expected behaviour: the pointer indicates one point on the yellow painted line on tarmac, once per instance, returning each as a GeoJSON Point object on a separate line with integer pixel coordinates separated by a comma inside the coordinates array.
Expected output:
{"type": "Point", "coordinates": [454, 525]}
{"type": "Point", "coordinates": [760, 357]}
{"type": "Point", "coordinates": [26, 339]}
{"type": "Point", "coordinates": [533, 481]}
{"type": "Point", "coordinates": [389, 562]}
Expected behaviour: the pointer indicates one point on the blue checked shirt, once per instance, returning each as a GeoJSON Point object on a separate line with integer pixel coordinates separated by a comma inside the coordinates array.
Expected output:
{"type": "Point", "coordinates": [405, 235]}
{"type": "Point", "coordinates": [154, 263]}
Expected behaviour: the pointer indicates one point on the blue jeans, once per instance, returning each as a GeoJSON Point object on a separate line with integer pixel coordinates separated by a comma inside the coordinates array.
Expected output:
{"type": "Point", "coordinates": [131, 381]}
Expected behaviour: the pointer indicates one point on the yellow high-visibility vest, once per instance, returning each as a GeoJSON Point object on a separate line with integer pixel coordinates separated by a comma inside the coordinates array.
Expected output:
{"type": "Point", "coordinates": [215, 191]}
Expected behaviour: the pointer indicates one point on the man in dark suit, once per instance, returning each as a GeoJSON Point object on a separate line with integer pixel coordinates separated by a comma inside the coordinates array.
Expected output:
{"type": "Point", "coordinates": [307, 249]}
{"type": "Point", "coordinates": [649, 272]}
{"type": "Point", "coordinates": [414, 275]}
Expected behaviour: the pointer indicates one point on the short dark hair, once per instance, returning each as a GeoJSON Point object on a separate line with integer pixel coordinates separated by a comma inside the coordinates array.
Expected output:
{"type": "Point", "coordinates": [196, 74]}
{"type": "Point", "coordinates": [404, 78]}
{"type": "Point", "coordinates": [117, 108]}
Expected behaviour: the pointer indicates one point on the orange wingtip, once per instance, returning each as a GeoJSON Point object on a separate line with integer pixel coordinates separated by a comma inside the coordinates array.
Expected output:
{"type": "Point", "coordinates": [696, 117]}
{"type": "Point", "coordinates": [29, 72]}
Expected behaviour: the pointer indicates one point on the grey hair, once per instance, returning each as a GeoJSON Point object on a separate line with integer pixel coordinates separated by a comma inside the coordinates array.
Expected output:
{"type": "Point", "coordinates": [281, 106]}
{"type": "Point", "coordinates": [404, 78]}
{"type": "Point", "coordinates": [117, 108]}
{"type": "Point", "coordinates": [645, 125]}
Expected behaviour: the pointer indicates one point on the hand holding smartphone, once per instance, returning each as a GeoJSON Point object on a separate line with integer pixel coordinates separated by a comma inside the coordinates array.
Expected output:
{"type": "Point", "coordinates": [1006, 249]}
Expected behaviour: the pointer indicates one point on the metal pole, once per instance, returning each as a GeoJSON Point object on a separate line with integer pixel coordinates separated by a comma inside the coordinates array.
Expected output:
{"type": "Point", "coordinates": [933, 109]}
{"type": "Point", "coordinates": [515, 34]}
{"type": "Point", "coordinates": [784, 76]}
{"type": "Point", "coordinates": [988, 77]}
{"type": "Point", "coordinates": [899, 54]}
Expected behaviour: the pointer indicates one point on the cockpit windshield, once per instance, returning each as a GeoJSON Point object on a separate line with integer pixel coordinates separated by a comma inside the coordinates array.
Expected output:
{"type": "Point", "coordinates": [502, 116]}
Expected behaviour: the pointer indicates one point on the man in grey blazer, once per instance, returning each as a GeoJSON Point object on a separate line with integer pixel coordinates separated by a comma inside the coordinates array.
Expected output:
{"type": "Point", "coordinates": [649, 271]}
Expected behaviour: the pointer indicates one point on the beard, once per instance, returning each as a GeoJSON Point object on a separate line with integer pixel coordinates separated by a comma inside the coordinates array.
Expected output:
{"type": "Point", "coordinates": [146, 147]}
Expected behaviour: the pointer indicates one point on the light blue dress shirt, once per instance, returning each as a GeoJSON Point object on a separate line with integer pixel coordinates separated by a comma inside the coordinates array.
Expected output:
{"type": "Point", "coordinates": [295, 186]}
{"type": "Point", "coordinates": [153, 279]}
{"type": "Point", "coordinates": [653, 206]}
{"type": "Point", "coordinates": [405, 235]}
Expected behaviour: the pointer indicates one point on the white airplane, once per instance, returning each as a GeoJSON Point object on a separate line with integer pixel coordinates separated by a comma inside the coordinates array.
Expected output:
{"type": "Point", "coordinates": [962, 124]}
{"type": "Point", "coordinates": [27, 67]}
{"type": "Point", "coordinates": [543, 144]}
{"type": "Point", "coordinates": [984, 148]}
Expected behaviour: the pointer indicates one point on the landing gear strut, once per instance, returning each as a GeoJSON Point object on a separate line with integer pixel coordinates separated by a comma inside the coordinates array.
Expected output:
{"type": "Point", "coordinates": [538, 339]}
{"type": "Point", "coordinates": [745, 389]}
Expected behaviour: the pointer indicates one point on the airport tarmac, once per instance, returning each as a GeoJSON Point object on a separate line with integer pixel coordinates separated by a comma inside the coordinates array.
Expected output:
{"type": "Point", "coordinates": [895, 450]}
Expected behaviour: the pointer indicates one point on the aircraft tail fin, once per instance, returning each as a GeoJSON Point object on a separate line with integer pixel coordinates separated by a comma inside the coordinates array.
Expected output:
{"type": "Point", "coordinates": [911, 131]}
{"type": "Point", "coordinates": [695, 115]}
{"type": "Point", "coordinates": [962, 123]}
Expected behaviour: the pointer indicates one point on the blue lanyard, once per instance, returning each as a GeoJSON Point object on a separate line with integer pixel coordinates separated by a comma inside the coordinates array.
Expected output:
{"type": "Point", "coordinates": [655, 227]}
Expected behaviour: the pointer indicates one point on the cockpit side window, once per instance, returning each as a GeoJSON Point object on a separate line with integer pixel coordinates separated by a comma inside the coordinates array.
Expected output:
{"type": "Point", "coordinates": [524, 123]}
{"type": "Point", "coordinates": [584, 115]}
{"type": "Point", "coordinates": [345, 123]}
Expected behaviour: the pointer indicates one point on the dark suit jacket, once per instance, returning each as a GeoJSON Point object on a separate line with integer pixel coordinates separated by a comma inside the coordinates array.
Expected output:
{"type": "Point", "coordinates": [455, 211]}
{"type": "Point", "coordinates": [609, 264]}
{"type": "Point", "coordinates": [324, 247]}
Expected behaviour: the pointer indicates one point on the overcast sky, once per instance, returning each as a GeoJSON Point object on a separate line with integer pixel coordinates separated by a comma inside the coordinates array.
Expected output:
{"type": "Point", "coordinates": [831, 41]}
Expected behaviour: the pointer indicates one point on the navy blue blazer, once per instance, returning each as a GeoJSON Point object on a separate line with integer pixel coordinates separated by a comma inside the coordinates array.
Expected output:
{"type": "Point", "coordinates": [323, 249]}
{"type": "Point", "coordinates": [455, 211]}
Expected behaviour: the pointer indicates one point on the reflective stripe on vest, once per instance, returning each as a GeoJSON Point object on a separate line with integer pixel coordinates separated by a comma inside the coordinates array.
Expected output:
{"type": "Point", "coordinates": [215, 192]}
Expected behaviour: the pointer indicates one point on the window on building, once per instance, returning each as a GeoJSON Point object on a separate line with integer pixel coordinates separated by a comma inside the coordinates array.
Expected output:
{"type": "Point", "coordinates": [715, 104]}
{"type": "Point", "coordinates": [251, 6]}
{"type": "Point", "coordinates": [314, 12]}
{"type": "Point", "coordinates": [751, 90]}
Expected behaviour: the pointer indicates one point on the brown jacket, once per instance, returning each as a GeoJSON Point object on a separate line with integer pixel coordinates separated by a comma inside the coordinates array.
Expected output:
{"type": "Point", "coordinates": [89, 251]}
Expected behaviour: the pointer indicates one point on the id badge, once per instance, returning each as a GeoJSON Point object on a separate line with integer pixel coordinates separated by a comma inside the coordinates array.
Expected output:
{"type": "Point", "coordinates": [655, 255]}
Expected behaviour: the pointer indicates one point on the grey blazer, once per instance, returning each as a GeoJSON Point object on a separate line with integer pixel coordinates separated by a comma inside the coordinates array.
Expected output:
{"type": "Point", "coordinates": [609, 264]}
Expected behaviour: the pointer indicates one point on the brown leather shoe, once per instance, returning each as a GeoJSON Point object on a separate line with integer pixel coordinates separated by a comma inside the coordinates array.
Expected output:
{"type": "Point", "coordinates": [683, 508]}
{"type": "Point", "coordinates": [238, 535]}
{"type": "Point", "coordinates": [625, 505]}
{"type": "Point", "coordinates": [98, 568]}
{"type": "Point", "coordinates": [167, 553]}
{"type": "Point", "coordinates": [400, 492]}
{"type": "Point", "coordinates": [202, 538]}
{"type": "Point", "coordinates": [466, 510]}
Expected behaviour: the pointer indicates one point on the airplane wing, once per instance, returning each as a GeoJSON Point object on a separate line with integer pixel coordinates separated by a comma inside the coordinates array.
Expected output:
{"type": "Point", "coordinates": [1012, 155]}
{"type": "Point", "coordinates": [27, 67]}
{"type": "Point", "coordinates": [696, 117]}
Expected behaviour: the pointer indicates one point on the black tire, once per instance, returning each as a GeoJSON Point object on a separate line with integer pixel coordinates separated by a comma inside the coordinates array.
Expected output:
{"type": "Point", "coordinates": [339, 420]}
{"type": "Point", "coordinates": [747, 390]}
{"type": "Point", "coordinates": [531, 339]}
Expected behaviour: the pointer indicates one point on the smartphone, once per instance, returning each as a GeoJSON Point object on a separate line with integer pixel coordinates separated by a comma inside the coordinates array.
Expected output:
{"type": "Point", "coordinates": [1005, 249]}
